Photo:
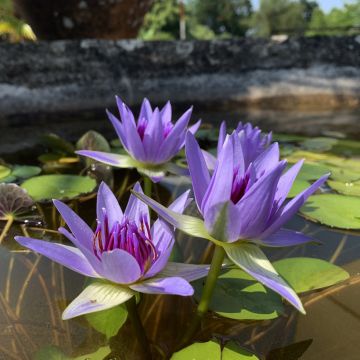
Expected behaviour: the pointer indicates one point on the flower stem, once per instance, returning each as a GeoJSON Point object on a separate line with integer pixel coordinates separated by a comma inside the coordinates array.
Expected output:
{"type": "Point", "coordinates": [6, 228]}
{"type": "Point", "coordinates": [147, 186]}
{"type": "Point", "coordinates": [138, 327]}
{"type": "Point", "coordinates": [206, 295]}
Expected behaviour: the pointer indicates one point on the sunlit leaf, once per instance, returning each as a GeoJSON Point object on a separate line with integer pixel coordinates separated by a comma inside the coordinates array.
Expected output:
{"type": "Point", "coordinates": [199, 351]}
{"type": "Point", "coordinates": [239, 296]}
{"type": "Point", "coordinates": [298, 186]}
{"type": "Point", "coordinates": [13, 200]}
{"type": "Point", "coordinates": [4, 171]}
{"type": "Point", "coordinates": [334, 210]}
{"type": "Point", "coordinates": [234, 352]}
{"type": "Point", "coordinates": [47, 187]}
{"type": "Point", "coordinates": [108, 322]}
{"type": "Point", "coordinates": [305, 274]}
{"type": "Point", "coordinates": [312, 171]}
{"type": "Point", "coordinates": [346, 188]}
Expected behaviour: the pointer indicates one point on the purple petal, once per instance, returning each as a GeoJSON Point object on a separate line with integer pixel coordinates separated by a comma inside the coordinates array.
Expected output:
{"type": "Point", "coordinates": [252, 260]}
{"type": "Point", "coordinates": [107, 200]}
{"type": "Point", "coordinates": [210, 160]}
{"type": "Point", "coordinates": [255, 207]}
{"type": "Point", "coordinates": [83, 235]}
{"type": "Point", "coordinates": [222, 135]}
{"type": "Point", "coordinates": [135, 207]}
{"type": "Point", "coordinates": [188, 272]}
{"type": "Point", "coordinates": [117, 160]}
{"type": "Point", "coordinates": [219, 189]}
{"type": "Point", "coordinates": [167, 242]}
{"type": "Point", "coordinates": [97, 296]}
{"type": "Point", "coordinates": [145, 110]}
{"type": "Point", "coordinates": [192, 129]}
{"type": "Point", "coordinates": [267, 160]}
{"type": "Point", "coordinates": [290, 209]}
{"type": "Point", "coordinates": [286, 181]}
{"type": "Point", "coordinates": [198, 171]}
{"type": "Point", "coordinates": [118, 128]}
{"type": "Point", "coordinates": [67, 256]}
{"type": "Point", "coordinates": [285, 237]}
{"type": "Point", "coordinates": [168, 285]}
{"type": "Point", "coordinates": [120, 267]}
{"type": "Point", "coordinates": [153, 136]}
{"type": "Point", "coordinates": [166, 113]}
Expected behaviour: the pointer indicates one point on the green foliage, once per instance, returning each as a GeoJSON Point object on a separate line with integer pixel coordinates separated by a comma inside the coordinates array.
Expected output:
{"type": "Point", "coordinates": [10, 26]}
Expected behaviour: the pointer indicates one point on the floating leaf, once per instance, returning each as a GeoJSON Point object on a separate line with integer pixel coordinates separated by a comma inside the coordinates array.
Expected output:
{"type": "Point", "coordinates": [211, 351]}
{"type": "Point", "coordinates": [289, 138]}
{"type": "Point", "coordinates": [93, 140]}
{"type": "Point", "coordinates": [238, 296]}
{"type": "Point", "coordinates": [108, 322]}
{"type": "Point", "coordinates": [344, 173]}
{"type": "Point", "coordinates": [8, 179]}
{"type": "Point", "coordinates": [320, 144]}
{"type": "Point", "coordinates": [312, 171]}
{"type": "Point", "coordinates": [346, 188]}
{"type": "Point", "coordinates": [13, 200]}
{"type": "Point", "coordinates": [25, 171]}
{"type": "Point", "coordinates": [334, 210]}
{"type": "Point", "coordinates": [4, 171]}
{"type": "Point", "coordinates": [47, 187]}
{"type": "Point", "coordinates": [49, 157]}
{"type": "Point", "coordinates": [50, 353]}
{"type": "Point", "coordinates": [199, 351]}
{"type": "Point", "coordinates": [234, 352]}
{"type": "Point", "coordinates": [305, 274]}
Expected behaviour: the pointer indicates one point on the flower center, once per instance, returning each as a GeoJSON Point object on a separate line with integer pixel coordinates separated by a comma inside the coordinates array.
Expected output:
{"type": "Point", "coordinates": [241, 183]}
{"type": "Point", "coordinates": [127, 236]}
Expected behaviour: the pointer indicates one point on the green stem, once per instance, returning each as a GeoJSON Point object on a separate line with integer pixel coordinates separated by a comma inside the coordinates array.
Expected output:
{"type": "Point", "coordinates": [6, 228]}
{"type": "Point", "coordinates": [138, 327]}
{"type": "Point", "coordinates": [147, 186]}
{"type": "Point", "coordinates": [206, 295]}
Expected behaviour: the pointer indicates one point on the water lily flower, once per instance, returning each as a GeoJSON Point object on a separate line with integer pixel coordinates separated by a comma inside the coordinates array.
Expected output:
{"type": "Point", "coordinates": [243, 207]}
{"type": "Point", "coordinates": [124, 255]}
{"type": "Point", "coordinates": [151, 142]}
{"type": "Point", "coordinates": [252, 139]}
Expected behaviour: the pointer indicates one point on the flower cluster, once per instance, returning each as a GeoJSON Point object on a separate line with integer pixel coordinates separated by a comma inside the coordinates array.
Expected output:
{"type": "Point", "coordinates": [240, 195]}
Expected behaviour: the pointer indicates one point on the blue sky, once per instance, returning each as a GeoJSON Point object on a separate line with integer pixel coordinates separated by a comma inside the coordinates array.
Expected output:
{"type": "Point", "coordinates": [326, 5]}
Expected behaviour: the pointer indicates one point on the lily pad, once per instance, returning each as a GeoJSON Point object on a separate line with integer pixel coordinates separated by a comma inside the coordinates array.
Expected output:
{"type": "Point", "coordinates": [211, 350]}
{"type": "Point", "coordinates": [13, 200]}
{"type": "Point", "coordinates": [57, 144]}
{"type": "Point", "coordinates": [305, 274]}
{"type": "Point", "coordinates": [4, 171]}
{"type": "Point", "coordinates": [108, 322]}
{"type": "Point", "coordinates": [346, 188]}
{"type": "Point", "coordinates": [47, 187]}
{"type": "Point", "coordinates": [238, 296]}
{"type": "Point", "coordinates": [92, 140]}
{"type": "Point", "coordinates": [312, 171]}
{"type": "Point", "coordinates": [299, 185]}
{"type": "Point", "coordinates": [25, 171]}
{"type": "Point", "coordinates": [320, 144]}
{"type": "Point", "coordinates": [334, 210]}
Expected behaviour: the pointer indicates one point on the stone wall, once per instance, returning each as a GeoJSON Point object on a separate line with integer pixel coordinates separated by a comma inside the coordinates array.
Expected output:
{"type": "Point", "coordinates": [67, 79]}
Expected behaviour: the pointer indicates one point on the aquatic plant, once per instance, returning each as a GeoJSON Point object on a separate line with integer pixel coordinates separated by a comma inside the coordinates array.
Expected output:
{"type": "Point", "coordinates": [151, 142]}
{"type": "Point", "coordinates": [124, 255]}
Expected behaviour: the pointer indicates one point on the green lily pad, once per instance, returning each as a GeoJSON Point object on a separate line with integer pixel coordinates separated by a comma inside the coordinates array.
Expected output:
{"type": "Point", "coordinates": [49, 157]}
{"type": "Point", "coordinates": [288, 138]}
{"type": "Point", "coordinates": [238, 296]}
{"type": "Point", "coordinates": [8, 179]}
{"type": "Point", "coordinates": [108, 322]}
{"type": "Point", "coordinates": [47, 187]}
{"type": "Point", "coordinates": [211, 350]}
{"type": "Point", "coordinates": [25, 171]}
{"type": "Point", "coordinates": [4, 171]}
{"type": "Point", "coordinates": [312, 171]}
{"type": "Point", "coordinates": [334, 210]}
{"type": "Point", "coordinates": [319, 144]}
{"type": "Point", "coordinates": [305, 274]}
{"type": "Point", "coordinates": [199, 351]}
{"type": "Point", "coordinates": [346, 188]}
{"type": "Point", "coordinates": [344, 173]}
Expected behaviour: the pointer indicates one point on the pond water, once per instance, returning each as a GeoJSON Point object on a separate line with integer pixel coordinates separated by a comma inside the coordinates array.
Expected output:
{"type": "Point", "coordinates": [34, 291]}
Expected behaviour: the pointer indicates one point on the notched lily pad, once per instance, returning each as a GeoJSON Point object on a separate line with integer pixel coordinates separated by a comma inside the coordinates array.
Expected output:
{"type": "Point", "coordinates": [305, 274]}
{"type": "Point", "coordinates": [13, 201]}
{"type": "Point", "coordinates": [346, 188]}
{"type": "Point", "coordinates": [48, 187]}
{"type": "Point", "coordinates": [238, 296]}
{"type": "Point", "coordinates": [340, 211]}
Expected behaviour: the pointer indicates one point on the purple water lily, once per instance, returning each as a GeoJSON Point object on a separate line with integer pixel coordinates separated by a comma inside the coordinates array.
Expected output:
{"type": "Point", "coordinates": [252, 139]}
{"type": "Point", "coordinates": [151, 142]}
{"type": "Point", "coordinates": [243, 206]}
{"type": "Point", "coordinates": [125, 254]}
